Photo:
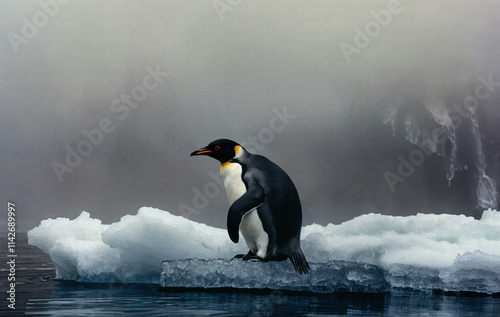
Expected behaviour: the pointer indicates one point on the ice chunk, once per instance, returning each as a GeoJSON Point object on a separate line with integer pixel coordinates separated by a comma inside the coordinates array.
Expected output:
{"type": "Point", "coordinates": [470, 272]}
{"type": "Point", "coordinates": [436, 105]}
{"type": "Point", "coordinates": [130, 250]}
{"type": "Point", "coordinates": [76, 248]}
{"type": "Point", "coordinates": [473, 272]}
{"type": "Point", "coordinates": [487, 195]}
{"type": "Point", "coordinates": [413, 132]}
{"type": "Point", "coordinates": [424, 251]}
{"type": "Point", "coordinates": [427, 240]}
{"type": "Point", "coordinates": [390, 118]}
{"type": "Point", "coordinates": [332, 276]}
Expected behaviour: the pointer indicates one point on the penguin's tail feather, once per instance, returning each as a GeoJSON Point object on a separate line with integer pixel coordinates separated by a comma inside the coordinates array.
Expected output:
{"type": "Point", "coordinates": [299, 262]}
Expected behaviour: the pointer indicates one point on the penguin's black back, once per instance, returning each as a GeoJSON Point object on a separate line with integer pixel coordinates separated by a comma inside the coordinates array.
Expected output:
{"type": "Point", "coordinates": [281, 211]}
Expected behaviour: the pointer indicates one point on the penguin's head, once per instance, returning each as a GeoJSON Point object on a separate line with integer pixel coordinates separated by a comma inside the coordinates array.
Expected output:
{"type": "Point", "coordinates": [222, 150]}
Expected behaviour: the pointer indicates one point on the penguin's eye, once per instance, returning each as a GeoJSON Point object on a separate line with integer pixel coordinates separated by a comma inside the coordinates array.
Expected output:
{"type": "Point", "coordinates": [217, 148]}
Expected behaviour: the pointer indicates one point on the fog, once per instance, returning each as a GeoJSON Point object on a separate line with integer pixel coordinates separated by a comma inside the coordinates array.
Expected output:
{"type": "Point", "coordinates": [288, 74]}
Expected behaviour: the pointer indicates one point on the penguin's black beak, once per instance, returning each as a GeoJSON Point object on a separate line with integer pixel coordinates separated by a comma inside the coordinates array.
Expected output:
{"type": "Point", "coordinates": [202, 151]}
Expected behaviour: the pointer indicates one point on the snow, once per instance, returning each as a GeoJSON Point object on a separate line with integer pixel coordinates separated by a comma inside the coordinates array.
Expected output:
{"type": "Point", "coordinates": [370, 253]}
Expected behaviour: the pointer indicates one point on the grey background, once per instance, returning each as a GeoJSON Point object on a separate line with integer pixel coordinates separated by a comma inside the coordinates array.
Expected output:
{"type": "Point", "coordinates": [225, 78]}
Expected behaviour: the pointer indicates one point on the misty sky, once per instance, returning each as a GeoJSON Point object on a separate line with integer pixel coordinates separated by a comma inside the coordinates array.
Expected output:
{"type": "Point", "coordinates": [229, 72]}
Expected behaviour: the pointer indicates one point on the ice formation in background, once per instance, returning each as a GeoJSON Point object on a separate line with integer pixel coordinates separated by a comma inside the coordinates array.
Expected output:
{"type": "Point", "coordinates": [420, 132]}
{"type": "Point", "coordinates": [370, 253]}
{"type": "Point", "coordinates": [436, 105]}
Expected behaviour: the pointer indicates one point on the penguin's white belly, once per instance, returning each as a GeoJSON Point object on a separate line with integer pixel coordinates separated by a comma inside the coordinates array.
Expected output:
{"type": "Point", "coordinates": [251, 227]}
{"type": "Point", "coordinates": [254, 234]}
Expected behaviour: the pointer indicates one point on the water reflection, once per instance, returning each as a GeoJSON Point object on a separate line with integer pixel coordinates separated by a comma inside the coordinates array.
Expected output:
{"type": "Point", "coordinates": [79, 299]}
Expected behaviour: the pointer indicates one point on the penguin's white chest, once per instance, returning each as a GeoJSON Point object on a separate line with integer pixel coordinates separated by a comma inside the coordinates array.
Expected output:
{"type": "Point", "coordinates": [235, 187]}
{"type": "Point", "coordinates": [251, 227]}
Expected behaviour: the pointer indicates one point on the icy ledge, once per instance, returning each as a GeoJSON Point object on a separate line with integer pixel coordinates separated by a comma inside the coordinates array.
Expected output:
{"type": "Point", "coordinates": [424, 252]}
{"type": "Point", "coordinates": [333, 276]}
{"type": "Point", "coordinates": [471, 272]}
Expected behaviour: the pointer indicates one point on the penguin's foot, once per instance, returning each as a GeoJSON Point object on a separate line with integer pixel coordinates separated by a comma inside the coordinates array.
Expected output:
{"type": "Point", "coordinates": [253, 258]}
{"type": "Point", "coordinates": [239, 256]}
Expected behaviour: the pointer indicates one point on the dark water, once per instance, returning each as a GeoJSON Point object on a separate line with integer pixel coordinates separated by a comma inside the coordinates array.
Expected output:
{"type": "Point", "coordinates": [38, 294]}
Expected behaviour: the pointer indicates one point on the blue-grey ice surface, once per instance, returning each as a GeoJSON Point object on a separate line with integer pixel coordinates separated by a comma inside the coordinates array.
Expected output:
{"type": "Point", "coordinates": [370, 253]}
{"type": "Point", "coordinates": [329, 277]}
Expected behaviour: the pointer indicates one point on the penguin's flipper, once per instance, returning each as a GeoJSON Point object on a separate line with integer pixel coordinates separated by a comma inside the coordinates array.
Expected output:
{"type": "Point", "coordinates": [252, 199]}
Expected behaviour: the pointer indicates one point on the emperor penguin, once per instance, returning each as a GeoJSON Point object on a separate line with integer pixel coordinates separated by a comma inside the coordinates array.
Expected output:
{"type": "Point", "coordinates": [265, 204]}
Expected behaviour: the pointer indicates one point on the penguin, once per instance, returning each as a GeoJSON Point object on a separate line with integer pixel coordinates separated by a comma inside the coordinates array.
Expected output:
{"type": "Point", "coordinates": [264, 204]}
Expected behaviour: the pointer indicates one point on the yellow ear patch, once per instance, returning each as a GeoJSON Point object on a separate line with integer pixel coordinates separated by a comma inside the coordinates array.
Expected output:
{"type": "Point", "coordinates": [238, 151]}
